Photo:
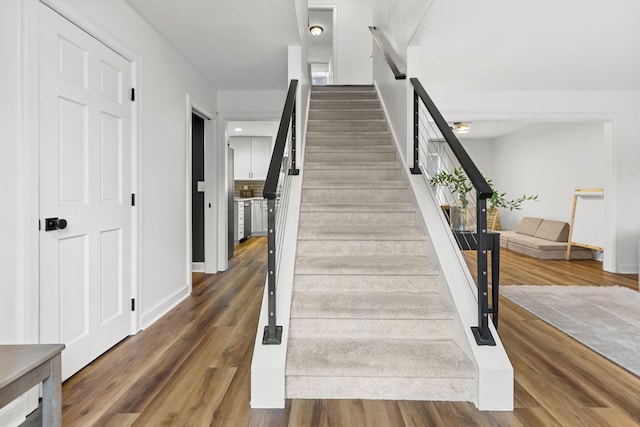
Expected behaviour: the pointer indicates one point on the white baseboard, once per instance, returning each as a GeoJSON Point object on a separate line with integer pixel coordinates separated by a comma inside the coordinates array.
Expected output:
{"type": "Point", "coordinates": [197, 267]}
{"type": "Point", "coordinates": [162, 308]}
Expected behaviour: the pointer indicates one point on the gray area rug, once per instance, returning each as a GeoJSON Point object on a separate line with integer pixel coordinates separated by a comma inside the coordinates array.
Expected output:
{"type": "Point", "coordinates": [606, 319]}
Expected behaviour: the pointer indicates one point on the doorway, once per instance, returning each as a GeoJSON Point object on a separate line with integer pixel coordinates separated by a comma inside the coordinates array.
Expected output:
{"type": "Point", "coordinates": [197, 193]}
{"type": "Point", "coordinates": [86, 243]}
{"type": "Point", "coordinates": [322, 45]}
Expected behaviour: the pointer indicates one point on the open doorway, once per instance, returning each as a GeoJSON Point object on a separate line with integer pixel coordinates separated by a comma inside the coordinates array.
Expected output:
{"type": "Point", "coordinates": [197, 192]}
{"type": "Point", "coordinates": [321, 44]}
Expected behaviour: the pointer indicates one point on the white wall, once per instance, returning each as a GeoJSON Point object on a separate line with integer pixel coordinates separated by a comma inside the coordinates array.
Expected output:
{"type": "Point", "coordinates": [353, 56]}
{"type": "Point", "coordinates": [11, 259]}
{"type": "Point", "coordinates": [493, 62]}
{"type": "Point", "coordinates": [251, 104]}
{"type": "Point", "coordinates": [619, 109]}
{"type": "Point", "coordinates": [393, 94]}
{"type": "Point", "coordinates": [165, 79]}
{"type": "Point", "coordinates": [544, 45]}
{"type": "Point", "coordinates": [481, 152]}
{"type": "Point", "coordinates": [398, 21]}
{"type": "Point", "coordinates": [551, 160]}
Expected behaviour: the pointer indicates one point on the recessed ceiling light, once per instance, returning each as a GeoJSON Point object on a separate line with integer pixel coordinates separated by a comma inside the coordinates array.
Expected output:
{"type": "Point", "coordinates": [316, 30]}
{"type": "Point", "coordinates": [460, 127]}
{"type": "Point", "coordinates": [237, 129]}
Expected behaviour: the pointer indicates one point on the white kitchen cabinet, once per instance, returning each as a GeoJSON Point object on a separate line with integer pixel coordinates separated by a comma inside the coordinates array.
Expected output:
{"type": "Point", "coordinates": [252, 155]}
{"type": "Point", "coordinates": [240, 220]}
{"type": "Point", "coordinates": [259, 222]}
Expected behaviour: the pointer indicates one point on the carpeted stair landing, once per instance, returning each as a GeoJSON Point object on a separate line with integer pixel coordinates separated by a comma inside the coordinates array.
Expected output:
{"type": "Point", "coordinates": [367, 321]}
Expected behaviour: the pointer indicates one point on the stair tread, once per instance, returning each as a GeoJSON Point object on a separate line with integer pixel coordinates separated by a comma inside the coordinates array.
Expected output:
{"type": "Point", "coordinates": [377, 358]}
{"type": "Point", "coordinates": [332, 134]}
{"type": "Point", "coordinates": [369, 305]}
{"type": "Point", "coordinates": [330, 88]}
{"type": "Point", "coordinates": [317, 184]}
{"type": "Point", "coordinates": [351, 149]}
{"type": "Point", "coordinates": [353, 283]}
{"type": "Point", "coordinates": [361, 232]}
{"type": "Point", "coordinates": [359, 207]}
{"type": "Point", "coordinates": [418, 329]}
{"type": "Point", "coordinates": [367, 317]}
{"type": "Point", "coordinates": [365, 265]}
{"type": "Point", "coordinates": [352, 165]}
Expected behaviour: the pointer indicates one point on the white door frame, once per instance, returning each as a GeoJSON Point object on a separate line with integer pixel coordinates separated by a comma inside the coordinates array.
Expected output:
{"type": "Point", "coordinates": [31, 164]}
{"type": "Point", "coordinates": [334, 53]}
{"type": "Point", "coordinates": [194, 106]}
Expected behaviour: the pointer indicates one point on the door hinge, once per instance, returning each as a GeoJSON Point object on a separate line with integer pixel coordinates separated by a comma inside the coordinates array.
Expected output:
{"type": "Point", "coordinates": [39, 225]}
{"type": "Point", "coordinates": [133, 94]}
{"type": "Point", "coordinates": [133, 304]}
{"type": "Point", "coordinates": [133, 199]}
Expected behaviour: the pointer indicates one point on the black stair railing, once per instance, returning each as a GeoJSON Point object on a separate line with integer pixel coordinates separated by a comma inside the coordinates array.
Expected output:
{"type": "Point", "coordinates": [276, 190]}
{"type": "Point", "coordinates": [442, 151]}
{"type": "Point", "coordinates": [382, 44]}
{"type": "Point", "coordinates": [430, 129]}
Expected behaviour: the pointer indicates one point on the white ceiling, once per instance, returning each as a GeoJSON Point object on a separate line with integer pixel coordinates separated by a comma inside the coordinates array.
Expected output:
{"type": "Point", "coordinates": [237, 44]}
{"type": "Point", "coordinates": [525, 45]}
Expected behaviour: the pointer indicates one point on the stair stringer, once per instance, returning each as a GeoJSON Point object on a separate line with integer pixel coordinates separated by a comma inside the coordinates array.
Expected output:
{"type": "Point", "coordinates": [269, 361]}
{"type": "Point", "coordinates": [494, 372]}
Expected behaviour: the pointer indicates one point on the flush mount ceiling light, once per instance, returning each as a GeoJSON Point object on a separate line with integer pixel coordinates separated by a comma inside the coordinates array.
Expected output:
{"type": "Point", "coordinates": [460, 127]}
{"type": "Point", "coordinates": [316, 30]}
{"type": "Point", "coordinates": [237, 129]}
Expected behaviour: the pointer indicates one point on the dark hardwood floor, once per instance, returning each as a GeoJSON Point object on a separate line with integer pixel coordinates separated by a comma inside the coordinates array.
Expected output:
{"type": "Point", "coordinates": [192, 367]}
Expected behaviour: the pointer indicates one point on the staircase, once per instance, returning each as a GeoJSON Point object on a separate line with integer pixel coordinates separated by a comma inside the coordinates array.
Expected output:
{"type": "Point", "coordinates": [367, 319]}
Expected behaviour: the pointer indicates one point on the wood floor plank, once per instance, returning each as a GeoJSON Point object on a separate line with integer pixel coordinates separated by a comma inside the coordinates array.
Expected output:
{"type": "Point", "coordinates": [308, 413]}
{"type": "Point", "coordinates": [192, 367]}
{"type": "Point", "coordinates": [346, 413]}
{"type": "Point", "coordinates": [382, 413]}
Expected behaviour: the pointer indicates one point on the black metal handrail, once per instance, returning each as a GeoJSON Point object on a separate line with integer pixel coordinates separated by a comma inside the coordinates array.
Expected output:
{"type": "Point", "coordinates": [273, 332]}
{"type": "Point", "coordinates": [385, 49]}
{"type": "Point", "coordinates": [288, 118]}
{"type": "Point", "coordinates": [483, 241]}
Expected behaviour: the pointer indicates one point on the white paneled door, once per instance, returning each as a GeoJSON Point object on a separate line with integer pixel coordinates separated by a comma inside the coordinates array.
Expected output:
{"type": "Point", "coordinates": [85, 186]}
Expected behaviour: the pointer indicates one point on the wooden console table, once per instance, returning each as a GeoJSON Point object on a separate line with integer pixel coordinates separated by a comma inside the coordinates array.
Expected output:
{"type": "Point", "coordinates": [24, 366]}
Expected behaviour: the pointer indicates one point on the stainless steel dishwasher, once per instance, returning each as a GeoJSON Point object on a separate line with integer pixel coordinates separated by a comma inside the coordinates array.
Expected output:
{"type": "Point", "coordinates": [247, 219]}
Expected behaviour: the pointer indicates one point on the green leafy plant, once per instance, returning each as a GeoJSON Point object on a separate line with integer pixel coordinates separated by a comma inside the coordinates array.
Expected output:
{"type": "Point", "coordinates": [499, 200]}
{"type": "Point", "coordinates": [457, 183]}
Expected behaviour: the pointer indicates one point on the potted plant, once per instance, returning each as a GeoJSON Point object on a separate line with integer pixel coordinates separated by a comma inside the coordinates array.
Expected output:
{"type": "Point", "coordinates": [460, 217]}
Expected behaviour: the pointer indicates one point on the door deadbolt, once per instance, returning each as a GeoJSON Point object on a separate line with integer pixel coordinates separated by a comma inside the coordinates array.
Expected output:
{"type": "Point", "coordinates": [51, 224]}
